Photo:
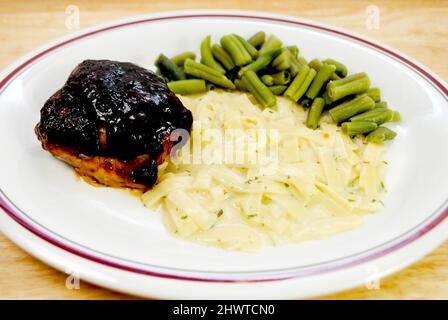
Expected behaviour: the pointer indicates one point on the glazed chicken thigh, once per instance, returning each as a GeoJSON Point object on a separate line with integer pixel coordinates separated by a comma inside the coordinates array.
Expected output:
{"type": "Point", "coordinates": [113, 122]}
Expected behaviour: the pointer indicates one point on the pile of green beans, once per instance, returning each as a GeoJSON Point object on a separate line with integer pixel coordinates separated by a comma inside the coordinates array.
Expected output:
{"type": "Point", "coordinates": [262, 66]}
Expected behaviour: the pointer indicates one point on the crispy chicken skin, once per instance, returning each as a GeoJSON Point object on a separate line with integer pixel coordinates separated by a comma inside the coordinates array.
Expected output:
{"type": "Point", "coordinates": [112, 122]}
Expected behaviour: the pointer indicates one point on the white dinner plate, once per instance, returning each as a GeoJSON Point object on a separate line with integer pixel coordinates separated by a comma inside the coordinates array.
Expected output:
{"type": "Point", "coordinates": [107, 237]}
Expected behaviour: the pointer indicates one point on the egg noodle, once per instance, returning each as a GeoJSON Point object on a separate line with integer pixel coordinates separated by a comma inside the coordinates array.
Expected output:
{"type": "Point", "coordinates": [250, 177]}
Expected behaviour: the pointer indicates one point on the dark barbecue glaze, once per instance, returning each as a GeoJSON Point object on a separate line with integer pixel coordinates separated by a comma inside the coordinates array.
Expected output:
{"type": "Point", "coordinates": [131, 105]}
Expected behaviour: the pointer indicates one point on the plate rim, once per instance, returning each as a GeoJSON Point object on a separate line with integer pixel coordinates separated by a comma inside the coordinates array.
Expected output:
{"type": "Point", "coordinates": [20, 65]}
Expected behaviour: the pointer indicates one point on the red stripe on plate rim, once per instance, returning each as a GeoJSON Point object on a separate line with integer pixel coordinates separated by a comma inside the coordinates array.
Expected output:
{"type": "Point", "coordinates": [13, 211]}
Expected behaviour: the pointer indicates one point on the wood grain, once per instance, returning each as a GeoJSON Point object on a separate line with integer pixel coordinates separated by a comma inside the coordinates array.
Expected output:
{"type": "Point", "coordinates": [418, 28]}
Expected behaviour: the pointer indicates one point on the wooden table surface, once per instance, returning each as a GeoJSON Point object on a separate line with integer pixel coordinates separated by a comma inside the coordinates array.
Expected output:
{"type": "Point", "coordinates": [418, 28]}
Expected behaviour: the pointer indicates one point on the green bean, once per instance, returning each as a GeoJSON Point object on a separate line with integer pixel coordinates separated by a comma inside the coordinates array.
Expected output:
{"type": "Point", "coordinates": [283, 77]}
{"type": "Point", "coordinates": [354, 84]}
{"type": "Point", "coordinates": [297, 82]}
{"type": "Point", "coordinates": [180, 58]}
{"type": "Point", "coordinates": [322, 76]}
{"type": "Point", "coordinates": [300, 84]}
{"type": "Point", "coordinates": [294, 50]}
{"type": "Point", "coordinates": [272, 43]}
{"type": "Point", "coordinates": [267, 80]}
{"type": "Point", "coordinates": [335, 76]}
{"type": "Point", "coordinates": [204, 72]}
{"type": "Point", "coordinates": [381, 104]}
{"type": "Point", "coordinates": [316, 64]}
{"type": "Point", "coordinates": [262, 61]}
{"type": "Point", "coordinates": [236, 50]}
{"type": "Point", "coordinates": [375, 94]}
{"type": "Point", "coordinates": [378, 115]}
{"type": "Point", "coordinates": [296, 65]}
{"type": "Point", "coordinates": [278, 90]}
{"type": "Point", "coordinates": [258, 89]}
{"type": "Point", "coordinates": [312, 120]}
{"type": "Point", "coordinates": [302, 61]}
{"type": "Point", "coordinates": [186, 87]}
{"type": "Point", "coordinates": [249, 48]}
{"type": "Point", "coordinates": [296, 61]}
{"type": "Point", "coordinates": [169, 69]}
{"type": "Point", "coordinates": [381, 134]}
{"type": "Point", "coordinates": [222, 56]}
{"type": "Point", "coordinates": [257, 39]}
{"type": "Point", "coordinates": [395, 116]}
{"type": "Point", "coordinates": [207, 56]}
{"type": "Point", "coordinates": [358, 127]}
{"type": "Point", "coordinates": [341, 70]}
{"type": "Point", "coordinates": [240, 85]}
{"type": "Point", "coordinates": [283, 60]}
{"type": "Point", "coordinates": [355, 76]}
{"type": "Point", "coordinates": [348, 109]}
{"type": "Point", "coordinates": [294, 68]}
{"type": "Point", "coordinates": [327, 98]}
